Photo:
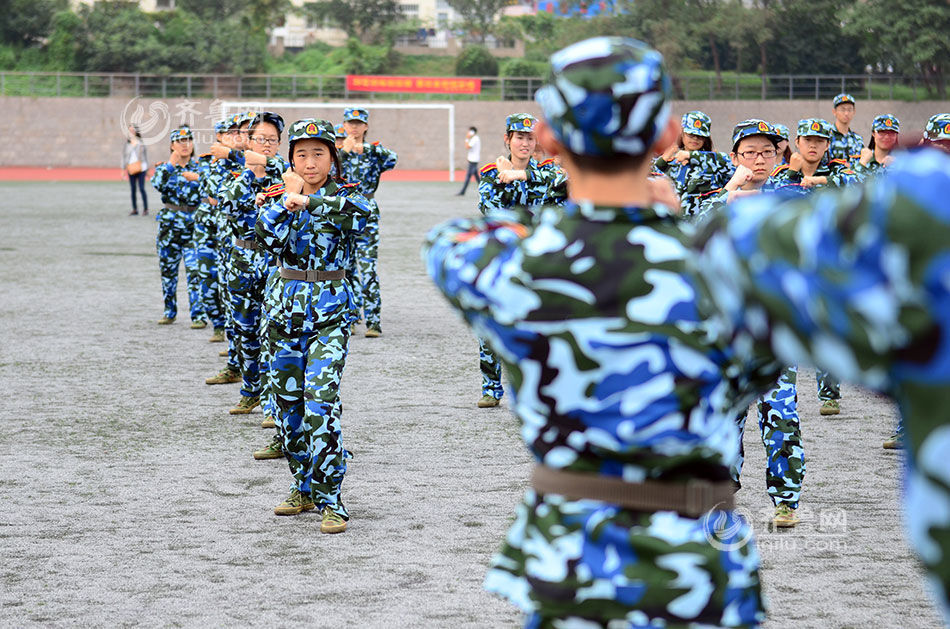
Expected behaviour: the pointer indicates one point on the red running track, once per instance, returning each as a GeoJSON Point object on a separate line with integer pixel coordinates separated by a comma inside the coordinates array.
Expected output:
{"type": "Point", "coordinates": [39, 173]}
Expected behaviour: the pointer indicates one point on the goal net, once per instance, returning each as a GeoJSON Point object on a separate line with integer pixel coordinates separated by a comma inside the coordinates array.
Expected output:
{"type": "Point", "coordinates": [295, 110]}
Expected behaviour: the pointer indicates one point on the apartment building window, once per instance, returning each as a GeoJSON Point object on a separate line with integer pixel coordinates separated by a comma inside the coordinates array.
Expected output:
{"type": "Point", "coordinates": [164, 5]}
{"type": "Point", "coordinates": [409, 10]}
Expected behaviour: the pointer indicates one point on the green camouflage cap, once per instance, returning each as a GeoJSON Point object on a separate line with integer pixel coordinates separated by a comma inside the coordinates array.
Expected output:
{"type": "Point", "coordinates": [781, 130]}
{"type": "Point", "coordinates": [311, 129]}
{"type": "Point", "coordinates": [886, 122]}
{"type": "Point", "coordinates": [222, 125]}
{"type": "Point", "coordinates": [843, 98]}
{"type": "Point", "coordinates": [938, 127]}
{"type": "Point", "coordinates": [606, 96]}
{"type": "Point", "coordinates": [181, 133]}
{"type": "Point", "coordinates": [520, 122]}
{"type": "Point", "coordinates": [697, 123]}
{"type": "Point", "coordinates": [815, 127]}
{"type": "Point", "coordinates": [754, 126]}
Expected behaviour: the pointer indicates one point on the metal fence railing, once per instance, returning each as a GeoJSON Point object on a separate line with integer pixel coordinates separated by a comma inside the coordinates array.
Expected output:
{"type": "Point", "coordinates": [309, 87]}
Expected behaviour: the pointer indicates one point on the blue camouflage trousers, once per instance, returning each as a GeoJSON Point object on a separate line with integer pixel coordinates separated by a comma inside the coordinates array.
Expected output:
{"type": "Point", "coordinates": [174, 243]}
{"type": "Point", "coordinates": [224, 293]}
{"type": "Point", "coordinates": [246, 278]}
{"type": "Point", "coordinates": [306, 370]}
{"type": "Point", "coordinates": [367, 253]}
{"type": "Point", "coordinates": [782, 438]}
{"type": "Point", "coordinates": [828, 387]}
{"type": "Point", "coordinates": [491, 371]}
{"type": "Point", "coordinates": [206, 253]}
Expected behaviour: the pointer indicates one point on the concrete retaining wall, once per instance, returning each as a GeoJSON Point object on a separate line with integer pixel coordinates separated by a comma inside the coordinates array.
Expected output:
{"type": "Point", "coordinates": [76, 132]}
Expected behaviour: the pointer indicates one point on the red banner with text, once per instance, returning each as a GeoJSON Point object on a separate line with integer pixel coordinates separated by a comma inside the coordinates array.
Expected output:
{"type": "Point", "coordinates": [416, 84]}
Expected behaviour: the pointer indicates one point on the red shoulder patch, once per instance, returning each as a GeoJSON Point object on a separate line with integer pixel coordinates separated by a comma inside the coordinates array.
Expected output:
{"type": "Point", "coordinates": [839, 161]}
{"type": "Point", "coordinates": [376, 143]}
{"type": "Point", "coordinates": [710, 193]}
{"type": "Point", "coordinates": [779, 169]}
{"type": "Point", "coordinates": [549, 160]}
{"type": "Point", "coordinates": [488, 167]}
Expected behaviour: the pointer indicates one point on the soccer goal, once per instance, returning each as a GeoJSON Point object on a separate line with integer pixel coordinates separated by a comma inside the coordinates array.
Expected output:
{"type": "Point", "coordinates": [233, 106]}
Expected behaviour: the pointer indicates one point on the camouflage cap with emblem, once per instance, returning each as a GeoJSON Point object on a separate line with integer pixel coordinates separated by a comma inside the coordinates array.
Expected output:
{"type": "Point", "coordinates": [938, 127]}
{"type": "Point", "coordinates": [814, 127]}
{"type": "Point", "coordinates": [339, 131]}
{"type": "Point", "coordinates": [313, 129]}
{"type": "Point", "coordinates": [359, 114]}
{"type": "Point", "coordinates": [842, 99]}
{"type": "Point", "coordinates": [697, 123]}
{"type": "Point", "coordinates": [181, 133]}
{"type": "Point", "coordinates": [525, 123]}
{"type": "Point", "coordinates": [781, 130]}
{"type": "Point", "coordinates": [886, 122]}
{"type": "Point", "coordinates": [606, 96]}
{"type": "Point", "coordinates": [754, 126]}
{"type": "Point", "coordinates": [222, 125]}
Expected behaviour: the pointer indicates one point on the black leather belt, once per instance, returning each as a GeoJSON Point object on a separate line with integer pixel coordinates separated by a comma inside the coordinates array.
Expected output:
{"type": "Point", "coordinates": [181, 208]}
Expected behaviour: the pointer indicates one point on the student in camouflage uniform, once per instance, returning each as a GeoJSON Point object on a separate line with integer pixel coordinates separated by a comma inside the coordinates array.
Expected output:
{"type": "Point", "coordinates": [206, 239]}
{"type": "Point", "coordinates": [884, 135]}
{"type": "Point", "coordinates": [812, 167]}
{"type": "Point", "coordinates": [857, 292]}
{"type": "Point", "coordinates": [754, 151]}
{"type": "Point", "coordinates": [692, 164]}
{"type": "Point", "coordinates": [627, 351]}
{"type": "Point", "coordinates": [616, 376]}
{"type": "Point", "coordinates": [517, 180]}
{"type": "Point", "coordinates": [248, 269]}
{"type": "Point", "coordinates": [177, 181]}
{"type": "Point", "coordinates": [845, 144]}
{"type": "Point", "coordinates": [311, 235]}
{"type": "Point", "coordinates": [783, 148]}
{"type": "Point", "coordinates": [228, 159]}
{"type": "Point", "coordinates": [363, 163]}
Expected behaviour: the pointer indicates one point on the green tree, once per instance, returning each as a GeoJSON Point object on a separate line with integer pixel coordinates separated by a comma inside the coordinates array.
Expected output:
{"type": "Point", "coordinates": [910, 36]}
{"type": "Point", "coordinates": [476, 61]}
{"type": "Point", "coordinates": [363, 19]}
{"type": "Point", "coordinates": [478, 16]}
{"type": "Point", "coordinates": [64, 42]}
{"type": "Point", "coordinates": [25, 22]}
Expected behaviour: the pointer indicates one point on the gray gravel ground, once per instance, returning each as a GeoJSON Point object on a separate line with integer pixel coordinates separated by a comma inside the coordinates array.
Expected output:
{"type": "Point", "coordinates": [130, 497]}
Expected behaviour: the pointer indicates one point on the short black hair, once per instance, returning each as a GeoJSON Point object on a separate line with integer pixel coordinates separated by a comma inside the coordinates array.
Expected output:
{"type": "Point", "coordinates": [473, 129]}
{"type": "Point", "coordinates": [610, 165]}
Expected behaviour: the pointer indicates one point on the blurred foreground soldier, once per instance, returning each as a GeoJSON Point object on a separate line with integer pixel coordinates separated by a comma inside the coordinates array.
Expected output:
{"type": "Point", "coordinates": [616, 378]}
{"type": "Point", "coordinates": [845, 143]}
{"type": "Point", "coordinates": [629, 352]}
{"type": "Point", "coordinates": [937, 132]}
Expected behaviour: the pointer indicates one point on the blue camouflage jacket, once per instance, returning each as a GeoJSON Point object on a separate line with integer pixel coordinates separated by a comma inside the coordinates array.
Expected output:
{"type": "Point", "coordinates": [174, 188]}
{"type": "Point", "coordinates": [543, 185]}
{"type": "Point", "coordinates": [837, 171]}
{"type": "Point", "coordinates": [705, 171]}
{"type": "Point", "coordinates": [366, 168]}
{"type": "Point", "coordinates": [320, 237]}
{"type": "Point", "coordinates": [240, 193]}
{"type": "Point", "coordinates": [846, 147]}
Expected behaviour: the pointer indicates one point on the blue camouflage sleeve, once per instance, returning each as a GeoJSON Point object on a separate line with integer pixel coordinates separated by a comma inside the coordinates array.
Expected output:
{"type": "Point", "coordinates": [854, 280]}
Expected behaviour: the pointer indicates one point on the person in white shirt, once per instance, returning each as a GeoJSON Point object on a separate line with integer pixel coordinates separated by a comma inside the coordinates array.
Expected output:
{"type": "Point", "coordinates": [474, 146]}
